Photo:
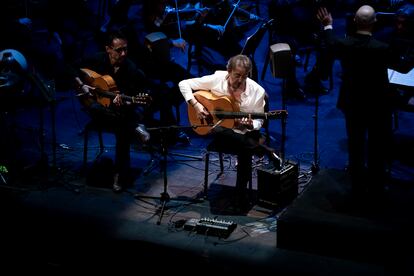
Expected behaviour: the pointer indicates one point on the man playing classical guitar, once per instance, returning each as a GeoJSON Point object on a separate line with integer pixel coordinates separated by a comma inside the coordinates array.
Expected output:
{"type": "Point", "coordinates": [248, 96]}
{"type": "Point", "coordinates": [121, 114]}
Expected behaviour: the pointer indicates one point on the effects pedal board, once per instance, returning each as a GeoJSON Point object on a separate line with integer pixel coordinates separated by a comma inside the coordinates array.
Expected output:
{"type": "Point", "coordinates": [211, 227]}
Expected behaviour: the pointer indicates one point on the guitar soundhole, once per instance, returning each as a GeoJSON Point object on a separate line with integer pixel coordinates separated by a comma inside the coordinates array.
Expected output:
{"type": "Point", "coordinates": [209, 120]}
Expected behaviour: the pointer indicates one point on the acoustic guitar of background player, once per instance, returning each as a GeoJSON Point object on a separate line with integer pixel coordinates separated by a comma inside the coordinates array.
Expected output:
{"type": "Point", "coordinates": [105, 90]}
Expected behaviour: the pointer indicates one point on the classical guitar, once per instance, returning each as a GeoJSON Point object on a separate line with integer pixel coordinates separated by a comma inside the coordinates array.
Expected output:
{"type": "Point", "coordinates": [222, 112]}
{"type": "Point", "coordinates": [105, 90]}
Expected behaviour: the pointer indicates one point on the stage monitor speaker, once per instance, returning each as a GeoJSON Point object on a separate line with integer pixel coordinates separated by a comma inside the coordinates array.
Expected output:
{"type": "Point", "coordinates": [281, 60]}
{"type": "Point", "coordinates": [277, 188]}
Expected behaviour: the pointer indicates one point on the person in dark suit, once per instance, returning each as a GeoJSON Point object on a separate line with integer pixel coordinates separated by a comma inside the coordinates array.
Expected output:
{"type": "Point", "coordinates": [364, 98]}
{"type": "Point", "coordinates": [121, 115]}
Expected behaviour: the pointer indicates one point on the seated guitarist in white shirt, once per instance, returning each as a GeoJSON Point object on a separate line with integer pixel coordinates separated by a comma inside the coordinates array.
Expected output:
{"type": "Point", "coordinates": [244, 139]}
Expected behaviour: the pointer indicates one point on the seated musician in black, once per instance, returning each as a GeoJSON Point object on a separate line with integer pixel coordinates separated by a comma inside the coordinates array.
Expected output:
{"type": "Point", "coordinates": [121, 115]}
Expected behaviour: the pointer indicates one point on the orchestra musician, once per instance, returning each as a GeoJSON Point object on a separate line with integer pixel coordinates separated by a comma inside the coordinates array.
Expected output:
{"type": "Point", "coordinates": [402, 38]}
{"type": "Point", "coordinates": [205, 23]}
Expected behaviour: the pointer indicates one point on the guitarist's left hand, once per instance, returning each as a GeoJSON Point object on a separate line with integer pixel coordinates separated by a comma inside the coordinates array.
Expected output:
{"type": "Point", "coordinates": [118, 100]}
{"type": "Point", "coordinates": [244, 123]}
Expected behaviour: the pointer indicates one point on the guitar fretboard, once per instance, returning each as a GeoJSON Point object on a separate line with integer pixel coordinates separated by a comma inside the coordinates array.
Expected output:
{"type": "Point", "coordinates": [253, 115]}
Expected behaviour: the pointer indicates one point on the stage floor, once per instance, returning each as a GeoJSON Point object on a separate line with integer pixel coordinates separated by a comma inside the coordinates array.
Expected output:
{"type": "Point", "coordinates": [54, 219]}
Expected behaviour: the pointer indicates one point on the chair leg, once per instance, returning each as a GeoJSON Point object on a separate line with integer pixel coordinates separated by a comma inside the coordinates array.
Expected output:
{"type": "Point", "coordinates": [331, 81]}
{"type": "Point", "coordinates": [266, 64]}
{"type": "Point", "coordinates": [221, 162]}
{"type": "Point", "coordinates": [101, 146]}
{"type": "Point", "coordinates": [250, 177]}
{"type": "Point", "coordinates": [267, 133]}
{"type": "Point", "coordinates": [307, 56]}
{"type": "Point", "coordinates": [207, 157]}
{"type": "Point", "coordinates": [177, 113]}
{"type": "Point", "coordinates": [189, 57]}
{"type": "Point", "coordinates": [396, 121]}
{"type": "Point", "coordinates": [85, 147]}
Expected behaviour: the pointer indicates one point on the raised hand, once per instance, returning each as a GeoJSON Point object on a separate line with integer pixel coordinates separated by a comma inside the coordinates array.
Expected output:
{"type": "Point", "coordinates": [324, 16]}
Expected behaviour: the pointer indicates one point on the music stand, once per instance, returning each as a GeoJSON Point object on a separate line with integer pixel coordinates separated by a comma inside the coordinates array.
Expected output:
{"type": "Point", "coordinates": [283, 123]}
{"type": "Point", "coordinates": [164, 196]}
{"type": "Point", "coordinates": [282, 64]}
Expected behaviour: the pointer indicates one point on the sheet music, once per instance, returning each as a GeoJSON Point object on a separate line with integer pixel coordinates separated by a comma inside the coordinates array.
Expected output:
{"type": "Point", "coordinates": [400, 78]}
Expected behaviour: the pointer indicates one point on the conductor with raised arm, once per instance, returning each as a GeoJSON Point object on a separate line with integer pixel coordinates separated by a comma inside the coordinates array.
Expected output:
{"type": "Point", "coordinates": [365, 100]}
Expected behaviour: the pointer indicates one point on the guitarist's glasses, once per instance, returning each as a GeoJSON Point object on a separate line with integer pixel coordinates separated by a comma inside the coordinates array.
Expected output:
{"type": "Point", "coordinates": [120, 49]}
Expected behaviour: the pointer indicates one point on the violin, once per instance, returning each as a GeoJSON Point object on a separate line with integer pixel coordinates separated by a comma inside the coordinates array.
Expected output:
{"type": "Point", "coordinates": [173, 15]}
{"type": "Point", "coordinates": [186, 14]}
{"type": "Point", "coordinates": [187, 10]}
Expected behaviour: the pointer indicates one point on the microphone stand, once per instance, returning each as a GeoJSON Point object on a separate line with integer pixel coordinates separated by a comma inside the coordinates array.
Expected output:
{"type": "Point", "coordinates": [153, 163]}
{"type": "Point", "coordinates": [315, 164]}
{"type": "Point", "coordinates": [164, 196]}
{"type": "Point", "coordinates": [283, 122]}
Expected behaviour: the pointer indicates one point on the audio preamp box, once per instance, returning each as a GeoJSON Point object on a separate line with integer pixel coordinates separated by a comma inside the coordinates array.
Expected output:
{"type": "Point", "coordinates": [277, 188]}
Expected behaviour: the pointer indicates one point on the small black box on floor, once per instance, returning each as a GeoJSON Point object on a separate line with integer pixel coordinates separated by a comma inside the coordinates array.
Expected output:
{"type": "Point", "coordinates": [277, 188]}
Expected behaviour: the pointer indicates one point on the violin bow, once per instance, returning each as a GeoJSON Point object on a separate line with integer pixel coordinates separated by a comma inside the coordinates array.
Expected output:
{"type": "Point", "coordinates": [231, 14]}
{"type": "Point", "coordinates": [178, 18]}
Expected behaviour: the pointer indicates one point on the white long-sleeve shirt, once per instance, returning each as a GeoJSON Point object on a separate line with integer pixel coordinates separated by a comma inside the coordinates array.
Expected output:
{"type": "Point", "coordinates": [252, 99]}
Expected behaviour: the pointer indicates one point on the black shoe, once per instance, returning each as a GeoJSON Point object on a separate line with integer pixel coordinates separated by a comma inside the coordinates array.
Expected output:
{"type": "Point", "coordinates": [116, 186]}
{"type": "Point", "coordinates": [183, 138]}
{"type": "Point", "coordinates": [143, 134]}
{"type": "Point", "coordinates": [276, 160]}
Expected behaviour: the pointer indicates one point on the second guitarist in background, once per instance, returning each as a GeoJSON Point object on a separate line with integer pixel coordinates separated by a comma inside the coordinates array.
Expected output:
{"type": "Point", "coordinates": [249, 96]}
{"type": "Point", "coordinates": [123, 117]}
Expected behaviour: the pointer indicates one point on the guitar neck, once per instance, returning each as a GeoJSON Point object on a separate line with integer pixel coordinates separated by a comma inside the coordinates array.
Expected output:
{"type": "Point", "coordinates": [110, 94]}
{"type": "Point", "coordinates": [253, 115]}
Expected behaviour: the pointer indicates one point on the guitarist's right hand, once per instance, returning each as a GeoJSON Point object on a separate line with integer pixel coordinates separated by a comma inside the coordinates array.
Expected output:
{"type": "Point", "coordinates": [201, 111]}
{"type": "Point", "coordinates": [85, 90]}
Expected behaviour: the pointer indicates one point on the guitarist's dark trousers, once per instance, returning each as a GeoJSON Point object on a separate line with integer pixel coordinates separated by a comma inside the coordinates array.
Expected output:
{"type": "Point", "coordinates": [122, 121]}
{"type": "Point", "coordinates": [244, 146]}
